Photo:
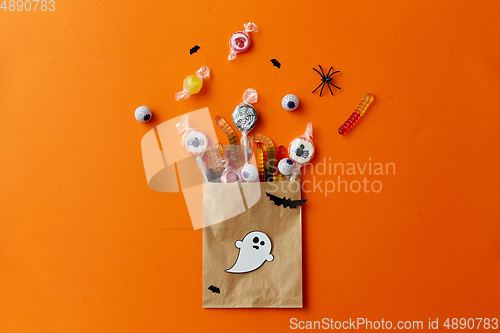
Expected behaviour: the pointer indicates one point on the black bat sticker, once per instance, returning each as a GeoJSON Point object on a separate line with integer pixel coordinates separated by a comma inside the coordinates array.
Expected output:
{"type": "Point", "coordinates": [276, 63]}
{"type": "Point", "coordinates": [194, 49]}
{"type": "Point", "coordinates": [285, 202]}
{"type": "Point", "coordinates": [214, 289]}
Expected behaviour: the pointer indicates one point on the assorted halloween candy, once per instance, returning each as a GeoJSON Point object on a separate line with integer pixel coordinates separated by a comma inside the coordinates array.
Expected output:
{"type": "Point", "coordinates": [271, 163]}
{"type": "Point", "coordinates": [357, 114]}
{"type": "Point", "coordinates": [240, 40]}
{"type": "Point", "coordinates": [301, 150]}
{"type": "Point", "coordinates": [193, 83]}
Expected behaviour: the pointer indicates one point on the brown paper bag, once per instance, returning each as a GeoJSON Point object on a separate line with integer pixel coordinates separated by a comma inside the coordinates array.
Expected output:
{"type": "Point", "coordinates": [276, 283]}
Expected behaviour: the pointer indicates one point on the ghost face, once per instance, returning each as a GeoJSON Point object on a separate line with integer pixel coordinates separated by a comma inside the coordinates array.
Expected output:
{"type": "Point", "coordinates": [255, 250]}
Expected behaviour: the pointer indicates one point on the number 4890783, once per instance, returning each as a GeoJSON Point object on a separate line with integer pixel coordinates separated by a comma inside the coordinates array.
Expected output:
{"type": "Point", "coordinates": [28, 5]}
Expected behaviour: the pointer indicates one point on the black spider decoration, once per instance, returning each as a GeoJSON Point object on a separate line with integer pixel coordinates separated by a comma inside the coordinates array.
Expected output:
{"type": "Point", "coordinates": [325, 79]}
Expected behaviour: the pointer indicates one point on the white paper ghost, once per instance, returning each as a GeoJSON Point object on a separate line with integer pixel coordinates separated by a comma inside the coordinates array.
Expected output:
{"type": "Point", "coordinates": [255, 250]}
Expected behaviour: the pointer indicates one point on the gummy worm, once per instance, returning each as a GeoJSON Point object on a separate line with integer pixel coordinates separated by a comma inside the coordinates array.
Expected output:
{"type": "Point", "coordinates": [357, 114]}
{"type": "Point", "coordinates": [271, 154]}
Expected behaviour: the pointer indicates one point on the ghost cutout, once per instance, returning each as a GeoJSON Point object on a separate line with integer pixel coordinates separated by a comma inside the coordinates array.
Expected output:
{"type": "Point", "coordinates": [255, 250]}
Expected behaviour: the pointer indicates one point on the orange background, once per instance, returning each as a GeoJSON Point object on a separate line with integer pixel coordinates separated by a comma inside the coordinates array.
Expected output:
{"type": "Point", "coordinates": [86, 246]}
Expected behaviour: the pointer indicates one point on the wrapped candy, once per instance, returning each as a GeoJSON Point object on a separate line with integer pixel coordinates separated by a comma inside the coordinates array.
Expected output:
{"type": "Point", "coordinates": [195, 143]}
{"type": "Point", "coordinates": [301, 150]}
{"type": "Point", "coordinates": [193, 83]}
{"type": "Point", "coordinates": [245, 117]}
{"type": "Point", "coordinates": [240, 41]}
{"type": "Point", "coordinates": [230, 174]}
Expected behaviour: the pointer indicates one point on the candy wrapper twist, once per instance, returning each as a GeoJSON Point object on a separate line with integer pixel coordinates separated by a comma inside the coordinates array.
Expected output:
{"type": "Point", "coordinates": [301, 150]}
{"type": "Point", "coordinates": [195, 143]}
{"type": "Point", "coordinates": [193, 83]}
{"type": "Point", "coordinates": [240, 40]}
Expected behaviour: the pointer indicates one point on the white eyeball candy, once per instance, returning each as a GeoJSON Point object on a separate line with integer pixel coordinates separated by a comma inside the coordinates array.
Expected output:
{"type": "Point", "coordinates": [285, 166]}
{"type": "Point", "coordinates": [290, 102]}
{"type": "Point", "coordinates": [249, 172]}
{"type": "Point", "coordinates": [143, 114]}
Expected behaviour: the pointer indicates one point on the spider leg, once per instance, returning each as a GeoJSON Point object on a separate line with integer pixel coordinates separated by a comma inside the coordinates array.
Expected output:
{"type": "Point", "coordinates": [322, 70]}
{"type": "Point", "coordinates": [322, 75]}
{"type": "Point", "coordinates": [335, 72]}
{"type": "Point", "coordinates": [319, 86]}
{"type": "Point", "coordinates": [328, 74]}
{"type": "Point", "coordinates": [335, 86]}
{"type": "Point", "coordinates": [321, 92]}
{"type": "Point", "coordinates": [331, 92]}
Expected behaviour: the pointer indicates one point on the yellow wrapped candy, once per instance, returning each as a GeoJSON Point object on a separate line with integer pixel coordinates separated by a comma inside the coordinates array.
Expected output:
{"type": "Point", "coordinates": [193, 83]}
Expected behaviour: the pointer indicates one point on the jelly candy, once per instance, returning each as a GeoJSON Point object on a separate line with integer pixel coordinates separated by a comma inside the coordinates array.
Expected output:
{"type": "Point", "coordinates": [357, 114]}
{"type": "Point", "coordinates": [259, 157]}
{"type": "Point", "coordinates": [271, 155]}
{"type": "Point", "coordinates": [193, 83]}
{"type": "Point", "coordinates": [240, 40]}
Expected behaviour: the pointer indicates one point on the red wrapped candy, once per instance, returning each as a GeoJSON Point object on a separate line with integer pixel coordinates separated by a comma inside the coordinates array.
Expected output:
{"type": "Point", "coordinates": [240, 41]}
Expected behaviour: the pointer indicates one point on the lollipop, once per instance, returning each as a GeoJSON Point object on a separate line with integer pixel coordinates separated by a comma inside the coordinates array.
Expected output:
{"type": "Point", "coordinates": [193, 83]}
{"type": "Point", "coordinates": [195, 143]}
{"type": "Point", "coordinates": [240, 41]}
{"type": "Point", "coordinates": [301, 150]}
{"type": "Point", "coordinates": [245, 117]}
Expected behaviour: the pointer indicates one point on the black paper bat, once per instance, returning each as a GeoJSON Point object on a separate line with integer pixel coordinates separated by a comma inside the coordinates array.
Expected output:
{"type": "Point", "coordinates": [214, 289]}
{"type": "Point", "coordinates": [276, 63]}
{"type": "Point", "coordinates": [194, 49]}
{"type": "Point", "coordinates": [285, 202]}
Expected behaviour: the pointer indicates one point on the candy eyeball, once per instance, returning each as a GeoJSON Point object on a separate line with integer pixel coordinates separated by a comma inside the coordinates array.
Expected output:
{"type": "Point", "coordinates": [301, 151]}
{"type": "Point", "coordinates": [143, 114]}
{"type": "Point", "coordinates": [249, 173]}
{"type": "Point", "coordinates": [290, 102]}
{"type": "Point", "coordinates": [285, 166]}
{"type": "Point", "coordinates": [195, 142]}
